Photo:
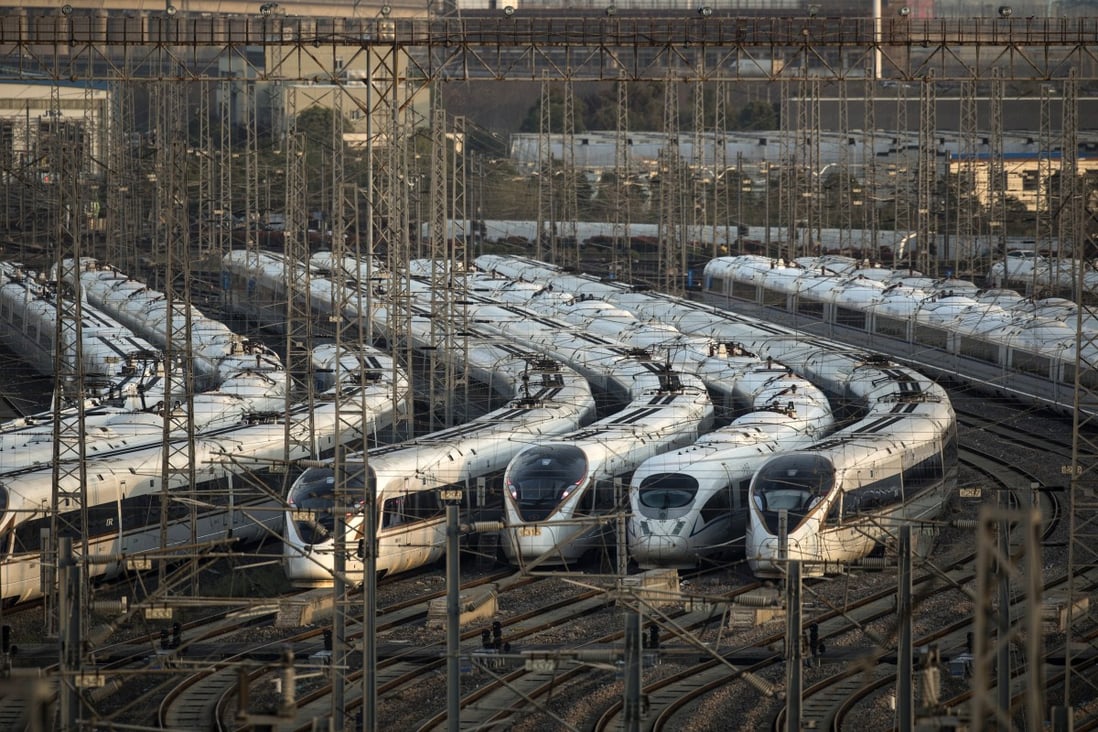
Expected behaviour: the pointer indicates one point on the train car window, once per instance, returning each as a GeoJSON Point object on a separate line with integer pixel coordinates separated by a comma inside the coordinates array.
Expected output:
{"type": "Point", "coordinates": [28, 535]}
{"type": "Point", "coordinates": [660, 494]}
{"type": "Point", "coordinates": [776, 298]}
{"type": "Point", "coordinates": [891, 327]}
{"type": "Point", "coordinates": [1030, 363]}
{"type": "Point", "coordinates": [540, 478]}
{"type": "Point", "coordinates": [874, 495]}
{"type": "Point", "coordinates": [929, 336]}
{"type": "Point", "coordinates": [850, 318]}
{"type": "Point", "coordinates": [141, 510]}
{"type": "Point", "coordinates": [716, 284]}
{"type": "Point", "coordinates": [423, 505]}
{"type": "Point", "coordinates": [979, 349]}
{"type": "Point", "coordinates": [794, 483]}
{"type": "Point", "coordinates": [743, 290]}
{"type": "Point", "coordinates": [739, 499]}
{"type": "Point", "coordinates": [394, 512]}
{"type": "Point", "coordinates": [605, 496]}
{"type": "Point", "coordinates": [809, 307]}
{"type": "Point", "coordinates": [922, 475]}
{"type": "Point", "coordinates": [719, 506]}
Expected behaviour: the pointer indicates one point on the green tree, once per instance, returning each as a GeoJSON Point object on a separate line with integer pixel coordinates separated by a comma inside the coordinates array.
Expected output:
{"type": "Point", "coordinates": [757, 115]}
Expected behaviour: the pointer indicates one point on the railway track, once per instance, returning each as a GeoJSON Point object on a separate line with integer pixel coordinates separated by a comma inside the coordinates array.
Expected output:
{"type": "Point", "coordinates": [396, 675]}
{"type": "Point", "coordinates": [505, 692]}
{"type": "Point", "coordinates": [511, 693]}
{"type": "Point", "coordinates": [206, 699]}
{"type": "Point", "coordinates": [201, 699]}
{"type": "Point", "coordinates": [827, 703]}
{"type": "Point", "coordinates": [670, 699]}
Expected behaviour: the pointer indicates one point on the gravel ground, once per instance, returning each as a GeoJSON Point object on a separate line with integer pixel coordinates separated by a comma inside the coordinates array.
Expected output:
{"type": "Point", "coordinates": [578, 703]}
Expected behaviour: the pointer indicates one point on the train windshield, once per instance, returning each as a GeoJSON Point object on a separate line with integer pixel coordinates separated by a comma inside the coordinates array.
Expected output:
{"type": "Point", "coordinates": [666, 495]}
{"type": "Point", "coordinates": [312, 500]}
{"type": "Point", "coordinates": [540, 478]}
{"type": "Point", "coordinates": [794, 483]}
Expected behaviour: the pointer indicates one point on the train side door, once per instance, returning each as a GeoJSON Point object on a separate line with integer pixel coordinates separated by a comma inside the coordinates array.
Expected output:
{"type": "Point", "coordinates": [123, 541]}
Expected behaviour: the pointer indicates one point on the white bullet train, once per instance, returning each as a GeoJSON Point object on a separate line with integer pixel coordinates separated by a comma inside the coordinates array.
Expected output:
{"type": "Point", "coordinates": [835, 501]}
{"type": "Point", "coordinates": [995, 340]}
{"type": "Point", "coordinates": [689, 507]}
{"type": "Point", "coordinates": [406, 478]}
{"type": "Point", "coordinates": [559, 492]}
{"type": "Point", "coordinates": [544, 399]}
{"type": "Point", "coordinates": [116, 362]}
{"type": "Point", "coordinates": [256, 286]}
{"type": "Point", "coordinates": [222, 359]}
{"type": "Point", "coordinates": [128, 411]}
{"type": "Point", "coordinates": [896, 456]}
{"type": "Point", "coordinates": [236, 495]}
{"type": "Point", "coordinates": [1026, 269]}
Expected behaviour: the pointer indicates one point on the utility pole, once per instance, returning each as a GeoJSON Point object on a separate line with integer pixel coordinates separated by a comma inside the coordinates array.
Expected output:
{"type": "Point", "coordinates": [452, 499]}
{"type": "Point", "coordinates": [794, 653]}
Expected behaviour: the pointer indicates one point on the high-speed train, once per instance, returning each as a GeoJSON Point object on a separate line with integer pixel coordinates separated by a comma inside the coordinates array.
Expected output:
{"type": "Point", "coordinates": [406, 478]}
{"type": "Point", "coordinates": [222, 359]}
{"type": "Point", "coordinates": [895, 456]}
{"type": "Point", "coordinates": [257, 285]}
{"type": "Point", "coordinates": [235, 496]}
{"type": "Point", "coordinates": [559, 492]}
{"type": "Point", "coordinates": [689, 506]}
{"type": "Point", "coordinates": [545, 398]}
{"type": "Point", "coordinates": [126, 411]}
{"type": "Point", "coordinates": [1026, 269]}
{"type": "Point", "coordinates": [116, 362]}
{"type": "Point", "coordinates": [996, 340]}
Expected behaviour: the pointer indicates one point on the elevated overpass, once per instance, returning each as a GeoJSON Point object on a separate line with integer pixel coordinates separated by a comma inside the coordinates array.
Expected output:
{"type": "Point", "coordinates": [689, 46]}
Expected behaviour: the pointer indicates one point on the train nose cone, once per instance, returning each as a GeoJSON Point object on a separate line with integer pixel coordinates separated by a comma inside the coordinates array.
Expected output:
{"type": "Point", "coordinates": [764, 560]}
{"type": "Point", "coordinates": [661, 551]}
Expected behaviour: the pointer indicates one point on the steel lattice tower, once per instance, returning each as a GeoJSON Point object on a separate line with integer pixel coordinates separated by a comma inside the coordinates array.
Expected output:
{"type": "Point", "coordinates": [901, 174]}
{"type": "Point", "coordinates": [926, 172]}
{"type": "Point", "coordinates": [670, 268]}
{"type": "Point", "coordinates": [721, 215]}
{"type": "Point", "coordinates": [177, 410]}
{"type": "Point", "coordinates": [996, 179]}
{"type": "Point", "coordinates": [871, 180]}
{"type": "Point", "coordinates": [1046, 50]}
{"type": "Point", "coordinates": [1046, 221]}
{"type": "Point", "coordinates": [569, 204]}
{"type": "Point", "coordinates": [547, 227]}
{"type": "Point", "coordinates": [1083, 481]}
{"type": "Point", "coordinates": [65, 548]}
{"type": "Point", "coordinates": [845, 179]}
{"type": "Point", "coordinates": [621, 259]}
{"type": "Point", "coordinates": [966, 179]}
